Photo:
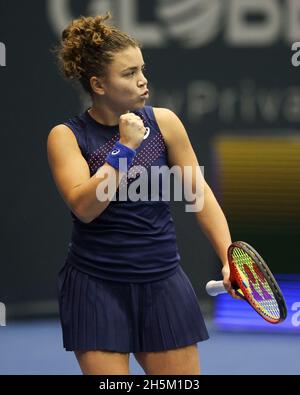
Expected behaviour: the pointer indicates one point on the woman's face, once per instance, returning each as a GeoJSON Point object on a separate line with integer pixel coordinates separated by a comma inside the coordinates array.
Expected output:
{"type": "Point", "coordinates": [125, 83]}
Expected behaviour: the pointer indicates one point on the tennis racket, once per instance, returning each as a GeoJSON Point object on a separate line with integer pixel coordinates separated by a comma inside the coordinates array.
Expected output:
{"type": "Point", "coordinates": [253, 281]}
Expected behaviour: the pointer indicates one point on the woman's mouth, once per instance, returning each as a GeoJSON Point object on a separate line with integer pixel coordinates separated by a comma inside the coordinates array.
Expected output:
{"type": "Point", "coordinates": [145, 95]}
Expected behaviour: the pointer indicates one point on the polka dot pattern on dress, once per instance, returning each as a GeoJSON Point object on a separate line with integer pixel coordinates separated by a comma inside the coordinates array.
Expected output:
{"type": "Point", "coordinates": [145, 157]}
{"type": "Point", "coordinates": [97, 158]}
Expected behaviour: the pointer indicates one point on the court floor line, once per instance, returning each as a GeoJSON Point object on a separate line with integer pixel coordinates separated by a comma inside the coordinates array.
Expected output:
{"type": "Point", "coordinates": [35, 347]}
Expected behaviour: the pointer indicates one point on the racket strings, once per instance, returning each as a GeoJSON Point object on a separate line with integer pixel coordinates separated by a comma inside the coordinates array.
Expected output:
{"type": "Point", "coordinates": [255, 284]}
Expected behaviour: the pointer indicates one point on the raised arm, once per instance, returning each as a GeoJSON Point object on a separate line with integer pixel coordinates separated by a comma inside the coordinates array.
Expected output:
{"type": "Point", "coordinates": [71, 171]}
{"type": "Point", "coordinates": [71, 175]}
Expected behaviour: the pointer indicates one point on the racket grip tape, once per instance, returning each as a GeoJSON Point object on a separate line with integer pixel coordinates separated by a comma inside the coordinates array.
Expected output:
{"type": "Point", "coordinates": [214, 288]}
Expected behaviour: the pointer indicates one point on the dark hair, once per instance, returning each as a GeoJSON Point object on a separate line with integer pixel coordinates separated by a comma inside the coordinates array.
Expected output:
{"type": "Point", "coordinates": [88, 46]}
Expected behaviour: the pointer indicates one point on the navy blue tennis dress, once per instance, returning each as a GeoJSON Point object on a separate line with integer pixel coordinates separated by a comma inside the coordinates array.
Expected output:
{"type": "Point", "coordinates": [122, 287]}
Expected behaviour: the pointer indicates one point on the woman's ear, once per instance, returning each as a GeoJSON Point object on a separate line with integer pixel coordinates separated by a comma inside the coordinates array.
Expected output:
{"type": "Point", "coordinates": [97, 85]}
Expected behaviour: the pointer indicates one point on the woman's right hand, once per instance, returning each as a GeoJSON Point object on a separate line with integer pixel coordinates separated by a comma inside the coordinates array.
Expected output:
{"type": "Point", "coordinates": [132, 130]}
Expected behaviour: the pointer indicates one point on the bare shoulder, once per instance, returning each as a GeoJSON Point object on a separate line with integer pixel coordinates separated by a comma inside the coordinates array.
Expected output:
{"type": "Point", "coordinates": [165, 118]}
{"type": "Point", "coordinates": [180, 150]}
{"type": "Point", "coordinates": [61, 133]}
{"type": "Point", "coordinates": [69, 168]}
{"type": "Point", "coordinates": [61, 140]}
{"type": "Point", "coordinates": [169, 124]}
{"type": "Point", "coordinates": [62, 146]}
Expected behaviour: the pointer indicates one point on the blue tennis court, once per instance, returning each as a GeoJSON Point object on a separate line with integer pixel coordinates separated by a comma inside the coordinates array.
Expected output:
{"type": "Point", "coordinates": [35, 347]}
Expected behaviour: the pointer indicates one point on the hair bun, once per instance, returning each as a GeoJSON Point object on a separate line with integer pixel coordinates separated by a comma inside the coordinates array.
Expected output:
{"type": "Point", "coordinates": [87, 47]}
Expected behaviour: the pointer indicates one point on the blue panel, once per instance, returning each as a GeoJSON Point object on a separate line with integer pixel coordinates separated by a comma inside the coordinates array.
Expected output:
{"type": "Point", "coordinates": [236, 315]}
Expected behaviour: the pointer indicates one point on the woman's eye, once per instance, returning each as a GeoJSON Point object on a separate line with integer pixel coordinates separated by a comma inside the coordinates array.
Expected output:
{"type": "Point", "coordinates": [133, 72]}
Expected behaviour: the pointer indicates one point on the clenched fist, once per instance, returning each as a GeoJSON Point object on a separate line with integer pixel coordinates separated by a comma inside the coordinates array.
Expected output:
{"type": "Point", "coordinates": [132, 130]}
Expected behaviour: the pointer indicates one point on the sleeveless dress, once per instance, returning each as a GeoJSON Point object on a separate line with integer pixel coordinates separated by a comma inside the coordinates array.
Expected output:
{"type": "Point", "coordinates": [122, 287]}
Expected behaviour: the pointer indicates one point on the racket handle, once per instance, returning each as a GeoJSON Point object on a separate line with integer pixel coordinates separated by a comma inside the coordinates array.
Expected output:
{"type": "Point", "coordinates": [214, 288]}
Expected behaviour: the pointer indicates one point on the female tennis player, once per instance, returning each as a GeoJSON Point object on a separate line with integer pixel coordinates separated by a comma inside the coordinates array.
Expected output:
{"type": "Point", "coordinates": [122, 289]}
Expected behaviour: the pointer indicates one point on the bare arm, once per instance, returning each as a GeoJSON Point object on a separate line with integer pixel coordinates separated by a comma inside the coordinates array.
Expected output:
{"type": "Point", "coordinates": [72, 177]}
{"type": "Point", "coordinates": [211, 218]}
{"type": "Point", "coordinates": [214, 224]}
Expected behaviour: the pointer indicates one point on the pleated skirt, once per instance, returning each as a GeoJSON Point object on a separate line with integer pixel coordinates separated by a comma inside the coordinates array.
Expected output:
{"type": "Point", "coordinates": [98, 314]}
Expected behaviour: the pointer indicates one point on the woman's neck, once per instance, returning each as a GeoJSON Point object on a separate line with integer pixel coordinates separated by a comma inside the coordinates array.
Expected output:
{"type": "Point", "coordinates": [105, 115]}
